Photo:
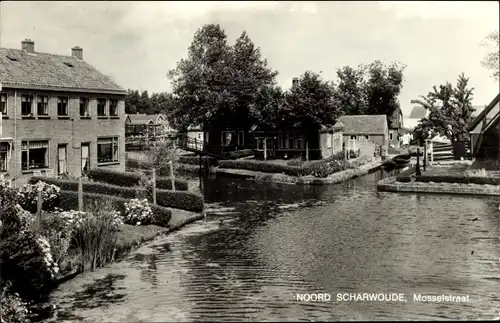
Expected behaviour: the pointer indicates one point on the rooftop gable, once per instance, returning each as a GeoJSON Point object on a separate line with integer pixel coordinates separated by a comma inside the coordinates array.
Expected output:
{"type": "Point", "coordinates": [20, 69]}
{"type": "Point", "coordinates": [483, 113]}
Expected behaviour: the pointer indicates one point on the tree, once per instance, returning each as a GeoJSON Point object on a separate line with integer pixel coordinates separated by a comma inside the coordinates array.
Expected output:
{"type": "Point", "coordinates": [383, 88]}
{"type": "Point", "coordinates": [217, 83]}
{"type": "Point", "coordinates": [266, 108]}
{"type": "Point", "coordinates": [252, 77]}
{"type": "Point", "coordinates": [311, 103]}
{"type": "Point", "coordinates": [450, 110]}
{"type": "Point", "coordinates": [144, 104]}
{"type": "Point", "coordinates": [201, 81]}
{"type": "Point", "coordinates": [351, 90]}
{"type": "Point", "coordinates": [492, 60]}
{"type": "Point", "coordinates": [131, 101]}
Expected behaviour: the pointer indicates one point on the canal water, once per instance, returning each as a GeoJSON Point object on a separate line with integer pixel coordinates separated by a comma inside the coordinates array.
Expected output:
{"type": "Point", "coordinates": [262, 243]}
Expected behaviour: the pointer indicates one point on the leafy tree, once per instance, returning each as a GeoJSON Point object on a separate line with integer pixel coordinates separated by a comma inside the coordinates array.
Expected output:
{"type": "Point", "coordinates": [251, 77]}
{"type": "Point", "coordinates": [131, 101]}
{"type": "Point", "coordinates": [311, 103]}
{"type": "Point", "coordinates": [383, 87]}
{"type": "Point", "coordinates": [218, 84]}
{"type": "Point", "coordinates": [200, 81]}
{"type": "Point", "coordinates": [492, 60]}
{"type": "Point", "coordinates": [450, 110]}
{"type": "Point", "coordinates": [144, 104]}
{"type": "Point", "coordinates": [351, 90]}
{"type": "Point", "coordinates": [267, 105]}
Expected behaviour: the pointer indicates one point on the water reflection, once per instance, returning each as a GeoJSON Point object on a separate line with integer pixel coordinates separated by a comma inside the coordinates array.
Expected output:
{"type": "Point", "coordinates": [260, 245]}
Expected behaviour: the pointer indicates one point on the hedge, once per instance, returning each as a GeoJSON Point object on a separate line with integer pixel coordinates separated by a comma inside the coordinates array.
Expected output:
{"type": "Point", "coordinates": [195, 160]}
{"type": "Point", "coordinates": [269, 167]}
{"type": "Point", "coordinates": [130, 179]}
{"type": "Point", "coordinates": [69, 201]}
{"type": "Point", "coordinates": [180, 200]}
{"type": "Point", "coordinates": [404, 176]}
{"type": "Point", "coordinates": [459, 179]}
{"type": "Point", "coordinates": [183, 200]}
{"type": "Point", "coordinates": [241, 153]}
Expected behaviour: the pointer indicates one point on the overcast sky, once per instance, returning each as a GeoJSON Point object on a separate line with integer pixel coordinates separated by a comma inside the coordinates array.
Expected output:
{"type": "Point", "coordinates": [138, 42]}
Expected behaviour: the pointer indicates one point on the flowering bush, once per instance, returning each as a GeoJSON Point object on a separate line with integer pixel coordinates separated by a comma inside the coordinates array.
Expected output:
{"type": "Point", "coordinates": [28, 196]}
{"type": "Point", "coordinates": [138, 212]}
{"type": "Point", "coordinates": [14, 310]}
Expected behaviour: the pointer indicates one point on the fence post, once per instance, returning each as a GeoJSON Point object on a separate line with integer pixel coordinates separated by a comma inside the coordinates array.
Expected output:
{"type": "Point", "coordinates": [80, 194]}
{"type": "Point", "coordinates": [417, 168]}
{"type": "Point", "coordinates": [307, 150]}
{"type": "Point", "coordinates": [265, 148]}
{"type": "Point", "coordinates": [172, 175]}
{"type": "Point", "coordinates": [154, 185]}
{"type": "Point", "coordinates": [425, 157]}
{"type": "Point", "coordinates": [38, 209]}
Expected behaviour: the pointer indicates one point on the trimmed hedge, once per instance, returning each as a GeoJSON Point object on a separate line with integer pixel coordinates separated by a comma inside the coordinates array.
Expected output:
{"type": "Point", "coordinates": [180, 200]}
{"type": "Point", "coordinates": [195, 160]}
{"type": "Point", "coordinates": [183, 200]}
{"type": "Point", "coordinates": [241, 153]}
{"type": "Point", "coordinates": [268, 167]}
{"type": "Point", "coordinates": [69, 201]}
{"type": "Point", "coordinates": [459, 179]}
{"type": "Point", "coordinates": [130, 179]}
{"type": "Point", "coordinates": [404, 176]}
{"type": "Point", "coordinates": [113, 177]}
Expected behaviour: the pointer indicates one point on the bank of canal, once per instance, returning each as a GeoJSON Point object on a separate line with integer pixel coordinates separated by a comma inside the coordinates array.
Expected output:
{"type": "Point", "coordinates": [261, 243]}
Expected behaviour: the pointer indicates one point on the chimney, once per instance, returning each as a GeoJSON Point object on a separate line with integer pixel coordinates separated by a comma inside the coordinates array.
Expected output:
{"type": "Point", "coordinates": [77, 52]}
{"type": "Point", "coordinates": [28, 46]}
{"type": "Point", "coordinates": [295, 81]}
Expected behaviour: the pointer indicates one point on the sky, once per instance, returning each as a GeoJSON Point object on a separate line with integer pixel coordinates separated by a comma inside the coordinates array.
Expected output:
{"type": "Point", "coordinates": [138, 42]}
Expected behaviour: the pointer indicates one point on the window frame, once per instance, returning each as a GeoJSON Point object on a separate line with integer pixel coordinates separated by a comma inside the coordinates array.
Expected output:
{"type": "Point", "coordinates": [87, 144]}
{"type": "Point", "coordinates": [105, 106]}
{"type": "Point", "coordinates": [60, 101]}
{"type": "Point", "coordinates": [47, 166]}
{"type": "Point", "coordinates": [30, 97]}
{"type": "Point", "coordinates": [115, 142]}
{"type": "Point", "coordinates": [84, 100]}
{"type": "Point", "coordinates": [65, 159]}
{"type": "Point", "coordinates": [110, 101]}
{"type": "Point", "coordinates": [46, 105]}
{"type": "Point", "coordinates": [4, 105]}
{"type": "Point", "coordinates": [6, 159]}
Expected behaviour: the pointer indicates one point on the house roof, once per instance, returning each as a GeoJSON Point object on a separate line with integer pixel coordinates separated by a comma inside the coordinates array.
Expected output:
{"type": "Point", "coordinates": [483, 113]}
{"type": "Point", "coordinates": [142, 119]}
{"type": "Point", "coordinates": [19, 69]}
{"type": "Point", "coordinates": [364, 124]}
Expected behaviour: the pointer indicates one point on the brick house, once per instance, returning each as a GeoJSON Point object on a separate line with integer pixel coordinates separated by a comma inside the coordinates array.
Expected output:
{"type": "Point", "coordinates": [59, 115]}
{"type": "Point", "coordinates": [147, 125]}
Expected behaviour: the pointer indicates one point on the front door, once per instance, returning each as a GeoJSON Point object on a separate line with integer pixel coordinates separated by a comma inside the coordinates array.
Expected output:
{"type": "Point", "coordinates": [62, 159]}
{"type": "Point", "coordinates": [271, 147]}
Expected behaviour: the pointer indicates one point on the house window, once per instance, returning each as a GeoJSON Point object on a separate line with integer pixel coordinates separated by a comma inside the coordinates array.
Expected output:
{"type": "Point", "coordinates": [84, 107]}
{"type": "Point", "coordinates": [3, 103]}
{"type": "Point", "coordinates": [260, 143]}
{"type": "Point", "coordinates": [101, 107]}
{"type": "Point", "coordinates": [34, 154]}
{"type": "Point", "coordinates": [26, 104]}
{"type": "Point", "coordinates": [107, 150]}
{"type": "Point", "coordinates": [85, 157]}
{"type": "Point", "coordinates": [241, 138]}
{"type": "Point", "coordinates": [4, 151]}
{"type": "Point", "coordinates": [299, 143]}
{"type": "Point", "coordinates": [62, 159]}
{"type": "Point", "coordinates": [329, 139]}
{"type": "Point", "coordinates": [62, 106]}
{"type": "Point", "coordinates": [113, 108]}
{"type": "Point", "coordinates": [42, 105]}
{"type": "Point", "coordinates": [353, 137]}
{"type": "Point", "coordinates": [228, 138]}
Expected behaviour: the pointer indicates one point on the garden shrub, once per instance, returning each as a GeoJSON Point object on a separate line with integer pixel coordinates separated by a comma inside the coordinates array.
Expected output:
{"type": "Point", "coordinates": [94, 187]}
{"type": "Point", "coordinates": [240, 153]}
{"type": "Point", "coordinates": [28, 196]}
{"type": "Point", "coordinates": [295, 162]}
{"type": "Point", "coordinates": [57, 227]}
{"type": "Point", "coordinates": [13, 308]}
{"type": "Point", "coordinates": [138, 212]}
{"type": "Point", "coordinates": [113, 177]}
{"type": "Point", "coordinates": [95, 233]}
{"type": "Point", "coordinates": [165, 183]}
{"type": "Point", "coordinates": [69, 201]}
{"type": "Point", "coordinates": [187, 201]}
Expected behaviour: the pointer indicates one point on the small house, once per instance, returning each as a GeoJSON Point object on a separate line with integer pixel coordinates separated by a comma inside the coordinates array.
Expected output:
{"type": "Point", "coordinates": [148, 125]}
{"type": "Point", "coordinates": [368, 133]}
{"type": "Point", "coordinates": [484, 132]}
{"type": "Point", "coordinates": [396, 130]}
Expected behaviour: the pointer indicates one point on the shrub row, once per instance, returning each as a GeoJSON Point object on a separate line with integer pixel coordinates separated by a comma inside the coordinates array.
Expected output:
{"type": "Point", "coordinates": [69, 201]}
{"type": "Point", "coordinates": [307, 168]}
{"type": "Point", "coordinates": [130, 179]}
{"type": "Point", "coordinates": [241, 153]}
{"type": "Point", "coordinates": [195, 160]}
{"type": "Point", "coordinates": [459, 179]}
{"type": "Point", "coordinates": [405, 176]}
{"type": "Point", "coordinates": [139, 164]}
{"type": "Point", "coordinates": [183, 200]}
